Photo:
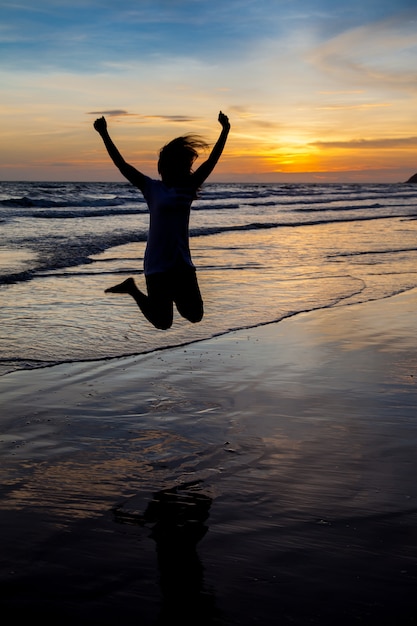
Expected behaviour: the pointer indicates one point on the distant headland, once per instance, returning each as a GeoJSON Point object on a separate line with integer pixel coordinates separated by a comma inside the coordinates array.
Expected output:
{"type": "Point", "coordinates": [413, 179]}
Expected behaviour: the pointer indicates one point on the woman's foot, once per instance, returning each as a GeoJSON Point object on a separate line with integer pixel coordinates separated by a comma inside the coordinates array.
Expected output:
{"type": "Point", "coordinates": [127, 286]}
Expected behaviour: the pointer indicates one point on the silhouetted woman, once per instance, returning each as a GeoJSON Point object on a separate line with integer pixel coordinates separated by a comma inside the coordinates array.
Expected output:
{"type": "Point", "coordinates": [169, 271]}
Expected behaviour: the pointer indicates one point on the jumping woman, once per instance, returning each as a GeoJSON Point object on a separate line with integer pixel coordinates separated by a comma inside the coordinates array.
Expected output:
{"type": "Point", "coordinates": [169, 271]}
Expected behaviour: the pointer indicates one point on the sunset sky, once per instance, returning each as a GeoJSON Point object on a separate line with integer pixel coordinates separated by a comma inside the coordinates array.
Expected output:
{"type": "Point", "coordinates": [316, 90]}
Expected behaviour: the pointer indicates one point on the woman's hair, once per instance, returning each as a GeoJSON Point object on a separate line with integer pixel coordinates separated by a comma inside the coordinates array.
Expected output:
{"type": "Point", "coordinates": [176, 158]}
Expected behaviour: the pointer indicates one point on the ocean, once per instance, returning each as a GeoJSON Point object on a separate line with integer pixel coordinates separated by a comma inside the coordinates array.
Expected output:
{"type": "Point", "coordinates": [263, 252]}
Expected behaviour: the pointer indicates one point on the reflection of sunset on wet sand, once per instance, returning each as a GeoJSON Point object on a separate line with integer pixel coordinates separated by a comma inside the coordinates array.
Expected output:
{"type": "Point", "coordinates": [273, 458]}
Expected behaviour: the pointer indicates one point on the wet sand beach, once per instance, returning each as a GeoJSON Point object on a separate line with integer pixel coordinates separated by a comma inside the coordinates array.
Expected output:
{"type": "Point", "coordinates": [266, 476]}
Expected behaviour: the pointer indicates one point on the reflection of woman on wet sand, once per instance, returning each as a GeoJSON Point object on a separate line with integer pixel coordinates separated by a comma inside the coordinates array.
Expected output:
{"type": "Point", "coordinates": [169, 272]}
{"type": "Point", "coordinates": [178, 519]}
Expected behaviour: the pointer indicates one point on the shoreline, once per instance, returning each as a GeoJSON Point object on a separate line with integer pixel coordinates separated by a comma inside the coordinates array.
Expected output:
{"type": "Point", "coordinates": [184, 344]}
{"type": "Point", "coordinates": [292, 444]}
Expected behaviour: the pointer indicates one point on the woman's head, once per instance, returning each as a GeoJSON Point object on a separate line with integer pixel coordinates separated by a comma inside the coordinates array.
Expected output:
{"type": "Point", "coordinates": [176, 158]}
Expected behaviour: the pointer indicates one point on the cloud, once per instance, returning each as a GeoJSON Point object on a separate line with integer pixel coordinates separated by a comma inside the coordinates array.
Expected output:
{"type": "Point", "coordinates": [355, 144]}
{"type": "Point", "coordinates": [379, 54]}
{"type": "Point", "coordinates": [161, 118]}
{"type": "Point", "coordinates": [111, 113]}
{"type": "Point", "coordinates": [171, 118]}
{"type": "Point", "coordinates": [364, 105]}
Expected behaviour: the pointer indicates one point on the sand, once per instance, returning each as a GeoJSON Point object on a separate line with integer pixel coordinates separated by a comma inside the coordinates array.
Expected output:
{"type": "Point", "coordinates": [263, 477]}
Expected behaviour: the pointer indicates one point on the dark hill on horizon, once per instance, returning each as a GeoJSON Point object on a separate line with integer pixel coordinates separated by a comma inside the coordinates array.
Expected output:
{"type": "Point", "coordinates": [413, 179]}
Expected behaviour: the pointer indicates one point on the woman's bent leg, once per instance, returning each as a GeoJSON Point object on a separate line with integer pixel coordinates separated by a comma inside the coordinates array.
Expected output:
{"type": "Point", "coordinates": [187, 296]}
{"type": "Point", "coordinates": [157, 306]}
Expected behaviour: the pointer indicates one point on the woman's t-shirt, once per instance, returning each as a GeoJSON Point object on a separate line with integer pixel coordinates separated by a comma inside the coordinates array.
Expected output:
{"type": "Point", "coordinates": [168, 238]}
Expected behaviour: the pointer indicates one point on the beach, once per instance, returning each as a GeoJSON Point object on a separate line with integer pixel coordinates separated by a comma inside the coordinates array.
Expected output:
{"type": "Point", "coordinates": [263, 476]}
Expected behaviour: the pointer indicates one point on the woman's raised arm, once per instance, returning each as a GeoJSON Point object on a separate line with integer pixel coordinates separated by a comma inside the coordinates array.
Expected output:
{"type": "Point", "coordinates": [133, 175]}
{"type": "Point", "coordinates": [206, 168]}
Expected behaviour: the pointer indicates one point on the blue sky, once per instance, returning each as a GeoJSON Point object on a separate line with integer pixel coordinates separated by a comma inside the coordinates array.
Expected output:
{"type": "Point", "coordinates": [311, 87]}
{"type": "Point", "coordinates": [68, 35]}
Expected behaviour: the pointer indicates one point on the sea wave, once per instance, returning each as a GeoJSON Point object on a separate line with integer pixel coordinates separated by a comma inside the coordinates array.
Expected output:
{"type": "Point", "coordinates": [26, 202]}
{"type": "Point", "coordinates": [64, 224]}
{"type": "Point", "coordinates": [59, 252]}
{"type": "Point", "coordinates": [263, 252]}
